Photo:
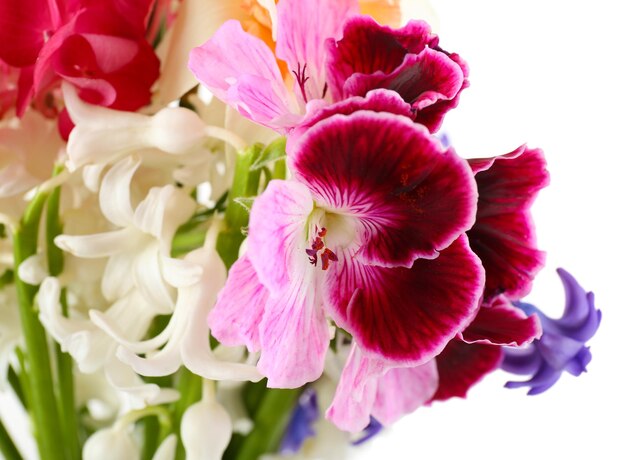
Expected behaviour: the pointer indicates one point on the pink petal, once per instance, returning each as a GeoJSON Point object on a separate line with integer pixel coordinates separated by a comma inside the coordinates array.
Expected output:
{"type": "Point", "coordinates": [503, 236]}
{"type": "Point", "coordinates": [303, 27]}
{"type": "Point", "coordinates": [294, 334]}
{"type": "Point", "coordinates": [242, 71]}
{"type": "Point", "coordinates": [409, 196]}
{"type": "Point", "coordinates": [502, 324]}
{"type": "Point", "coordinates": [239, 309]}
{"type": "Point", "coordinates": [356, 391]}
{"type": "Point", "coordinates": [462, 365]}
{"type": "Point", "coordinates": [23, 28]}
{"type": "Point", "coordinates": [406, 315]}
{"type": "Point", "coordinates": [277, 240]}
{"type": "Point", "coordinates": [402, 390]}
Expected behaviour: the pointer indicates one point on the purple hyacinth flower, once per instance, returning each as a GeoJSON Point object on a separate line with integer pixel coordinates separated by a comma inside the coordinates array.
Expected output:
{"type": "Point", "coordinates": [562, 345]}
{"type": "Point", "coordinates": [369, 432]}
{"type": "Point", "coordinates": [300, 425]}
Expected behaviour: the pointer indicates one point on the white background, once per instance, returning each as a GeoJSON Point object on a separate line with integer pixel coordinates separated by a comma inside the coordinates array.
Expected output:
{"type": "Point", "coordinates": [551, 74]}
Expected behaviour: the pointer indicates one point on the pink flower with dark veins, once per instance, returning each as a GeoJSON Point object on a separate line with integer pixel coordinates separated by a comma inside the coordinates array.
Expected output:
{"type": "Point", "coordinates": [408, 61]}
{"type": "Point", "coordinates": [370, 232]}
{"type": "Point", "coordinates": [242, 71]}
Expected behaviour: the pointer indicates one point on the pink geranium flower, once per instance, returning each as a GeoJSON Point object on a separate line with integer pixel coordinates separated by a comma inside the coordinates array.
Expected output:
{"type": "Point", "coordinates": [369, 232]}
{"type": "Point", "coordinates": [242, 71]}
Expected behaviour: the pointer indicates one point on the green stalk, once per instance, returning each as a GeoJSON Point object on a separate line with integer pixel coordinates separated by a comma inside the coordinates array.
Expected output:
{"type": "Point", "coordinates": [245, 185]}
{"type": "Point", "coordinates": [42, 398]}
{"type": "Point", "coordinates": [65, 390]}
{"type": "Point", "coordinates": [7, 447]}
{"type": "Point", "coordinates": [270, 421]}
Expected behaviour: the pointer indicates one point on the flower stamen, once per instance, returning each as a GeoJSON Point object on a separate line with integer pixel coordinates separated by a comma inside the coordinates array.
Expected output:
{"type": "Point", "coordinates": [318, 245]}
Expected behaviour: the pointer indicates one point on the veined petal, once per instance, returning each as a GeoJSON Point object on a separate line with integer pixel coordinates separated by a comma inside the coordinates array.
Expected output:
{"type": "Point", "coordinates": [403, 389]}
{"type": "Point", "coordinates": [232, 58]}
{"type": "Point", "coordinates": [409, 195]}
{"type": "Point", "coordinates": [303, 28]}
{"type": "Point", "coordinates": [239, 309]}
{"type": "Point", "coordinates": [503, 235]}
{"type": "Point", "coordinates": [356, 391]}
{"type": "Point", "coordinates": [115, 192]}
{"type": "Point", "coordinates": [386, 49]}
{"type": "Point", "coordinates": [406, 315]}
{"type": "Point", "coordinates": [277, 240]}
{"type": "Point", "coordinates": [461, 365]}
{"type": "Point", "coordinates": [294, 334]}
{"type": "Point", "coordinates": [501, 323]}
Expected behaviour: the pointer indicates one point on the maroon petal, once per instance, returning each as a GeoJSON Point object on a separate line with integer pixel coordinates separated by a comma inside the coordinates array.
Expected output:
{"type": "Point", "coordinates": [406, 315]}
{"type": "Point", "coordinates": [367, 47]}
{"type": "Point", "coordinates": [422, 80]}
{"type": "Point", "coordinates": [503, 236]}
{"type": "Point", "coordinates": [502, 324]}
{"type": "Point", "coordinates": [408, 196]}
{"type": "Point", "coordinates": [462, 365]}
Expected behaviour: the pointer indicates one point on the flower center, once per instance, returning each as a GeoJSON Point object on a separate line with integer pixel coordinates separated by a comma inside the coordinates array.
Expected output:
{"type": "Point", "coordinates": [318, 246]}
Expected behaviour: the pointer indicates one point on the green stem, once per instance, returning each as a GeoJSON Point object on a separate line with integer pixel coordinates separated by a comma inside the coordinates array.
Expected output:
{"type": "Point", "coordinates": [245, 185]}
{"type": "Point", "coordinates": [16, 384]}
{"type": "Point", "coordinates": [190, 389]}
{"type": "Point", "coordinates": [65, 391]}
{"type": "Point", "coordinates": [270, 421]}
{"type": "Point", "coordinates": [7, 447]}
{"type": "Point", "coordinates": [43, 402]}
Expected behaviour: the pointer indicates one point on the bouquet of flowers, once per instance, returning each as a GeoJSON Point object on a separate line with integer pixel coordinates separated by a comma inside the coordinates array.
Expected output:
{"type": "Point", "coordinates": [232, 229]}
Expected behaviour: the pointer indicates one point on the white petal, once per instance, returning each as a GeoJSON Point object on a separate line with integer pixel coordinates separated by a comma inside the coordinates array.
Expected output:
{"type": "Point", "coordinates": [205, 430]}
{"type": "Point", "coordinates": [115, 192]}
{"type": "Point", "coordinates": [99, 244]}
{"type": "Point", "coordinates": [91, 176]}
{"type": "Point", "coordinates": [163, 211]}
{"type": "Point", "coordinates": [176, 130]}
{"type": "Point", "coordinates": [180, 273]}
{"type": "Point", "coordinates": [111, 443]}
{"type": "Point", "coordinates": [116, 282]}
{"type": "Point", "coordinates": [167, 449]}
{"type": "Point", "coordinates": [33, 270]}
{"type": "Point", "coordinates": [149, 280]}
{"type": "Point", "coordinates": [230, 395]}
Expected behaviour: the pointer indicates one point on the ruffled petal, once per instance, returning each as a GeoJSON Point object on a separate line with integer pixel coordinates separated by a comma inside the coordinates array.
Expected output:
{"type": "Point", "coordinates": [386, 49]}
{"type": "Point", "coordinates": [356, 391]}
{"type": "Point", "coordinates": [504, 236]}
{"type": "Point", "coordinates": [303, 28]}
{"type": "Point", "coordinates": [277, 240]}
{"type": "Point", "coordinates": [410, 197]}
{"type": "Point", "coordinates": [239, 309]}
{"type": "Point", "coordinates": [406, 315]}
{"type": "Point", "coordinates": [461, 365]}
{"type": "Point", "coordinates": [403, 389]}
{"type": "Point", "coordinates": [242, 71]}
{"type": "Point", "coordinates": [502, 324]}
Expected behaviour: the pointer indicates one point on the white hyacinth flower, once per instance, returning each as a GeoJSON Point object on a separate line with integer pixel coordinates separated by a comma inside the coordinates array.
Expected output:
{"type": "Point", "coordinates": [185, 339]}
{"type": "Point", "coordinates": [111, 443]}
{"type": "Point", "coordinates": [206, 428]}
{"type": "Point", "coordinates": [138, 252]}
